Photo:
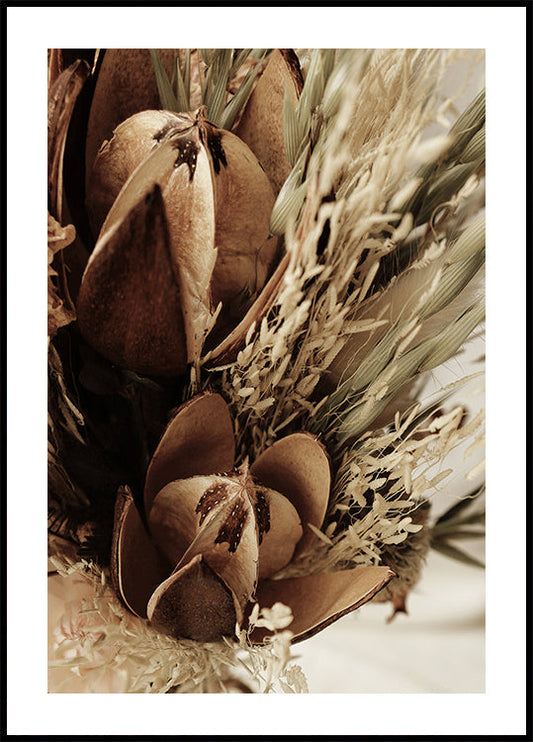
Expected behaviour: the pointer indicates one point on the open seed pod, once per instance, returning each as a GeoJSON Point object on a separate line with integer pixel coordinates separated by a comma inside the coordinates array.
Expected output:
{"type": "Point", "coordinates": [217, 535]}
{"type": "Point", "coordinates": [182, 208]}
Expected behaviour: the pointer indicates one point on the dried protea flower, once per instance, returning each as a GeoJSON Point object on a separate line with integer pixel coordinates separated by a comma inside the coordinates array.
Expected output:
{"type": "Point", "coordinates": [182, 208]}
{"type": "Point", "coordinates": [218, 535]}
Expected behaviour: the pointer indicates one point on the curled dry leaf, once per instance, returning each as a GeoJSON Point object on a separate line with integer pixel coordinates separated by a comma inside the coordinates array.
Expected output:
{"type": "Point", "coordinates": [62, 98]}
{"type": "Point", "coordinates": [59, 313]}
{"type": "Point", "coordinates": [223, 532]}
{"type": "Point", "coordinates": [63, 94]}
{"type": "Point", "coordinates": [211, 227]}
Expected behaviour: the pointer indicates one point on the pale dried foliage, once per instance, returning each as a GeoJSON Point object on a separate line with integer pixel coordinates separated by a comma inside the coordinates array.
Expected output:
{"type": "Point", "coordinates": [400, 468]}
{"type": "Point", "coordinates": [97, 646]}
{"type": "Point", "coordinates": [328, 314]}
{"type": "Point", "coordinates": [324, 298]}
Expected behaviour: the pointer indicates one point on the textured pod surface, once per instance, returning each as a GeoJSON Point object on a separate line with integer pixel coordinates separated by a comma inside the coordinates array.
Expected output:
{"type": "Point", "coordinates": [125, 85]}
{"type": "Point", "coordinates": [223, 534]}
{"type": "Point", "coordinates": [134, 322]}
{"type": "Point", "coordinates": [261, 124]}
{"type": "Point", "coordinates": [217, 204]}
{"type": "Point", "coordinates": [194, 603]}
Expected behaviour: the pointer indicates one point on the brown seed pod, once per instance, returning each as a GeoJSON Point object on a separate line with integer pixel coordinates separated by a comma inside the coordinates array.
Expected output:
{"type": "Point", "coordinates": [125, 85]}
{"type": "Point", "coordinates": [224, 533]}
{"type": "Point", "coordinates": [212, 224]}
{"type": "Point", "coordinates": [261, 124]}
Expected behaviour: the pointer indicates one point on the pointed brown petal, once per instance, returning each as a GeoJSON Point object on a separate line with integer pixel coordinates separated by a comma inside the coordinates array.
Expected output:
{"type": "Point", "coordinates": [279, 529]}
{"type": "Point", "coordinates": [298, 467]}
{"type": "Point", "coordinates": [318, 600]}
{"type": "Point", "coordinates": [194, 603]}
{"type": "Point", "coordinates": [128, 305]}
{"type": "Point", "coordinates": [132, 142]}
{"type": "Point", "coordinates": [198, 440]}
{"type": "Point", "coordinates": [180, 509]}
{"type": "Point", "coordinates": [245, 252]}
{"type": "Point", "coordinates": [136, 566]}
{"type": "Point", "coordinates": [228, 543]}
{"type": "Point", "coordinates": [191, 204]}
{"type": "Point", "coordinates": [261, 125]}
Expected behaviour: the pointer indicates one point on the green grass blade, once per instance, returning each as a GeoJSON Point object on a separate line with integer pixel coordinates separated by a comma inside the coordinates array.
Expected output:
{"type": "Point", "coordinates": [455, 553]}
{"type": "Point", "coordinates": [471, 241]}
{"type": "Point", "coordinates": [468, 123]}
{"type": "Point", "coordinates": [291, 131]}
{"type": "Point", "coordinates": [182, 90]}
{"type": "Point", "coordinates": [447, 343]}
{"type": "Point", "coordinates": [166, 94]}
{"type": "Point", "coordinates": [454, 279]}
{"type": "Point", "coordinates": [237, 103]}
{"type": "Point", "coordinates": [457, 509]}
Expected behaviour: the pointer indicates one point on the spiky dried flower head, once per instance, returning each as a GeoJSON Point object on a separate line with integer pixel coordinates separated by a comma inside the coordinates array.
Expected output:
{"type": "Point", "coordinates": [406, 559]}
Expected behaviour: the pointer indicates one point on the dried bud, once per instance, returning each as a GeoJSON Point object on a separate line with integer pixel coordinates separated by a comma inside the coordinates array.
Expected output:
{"type": "Point", "coordinates": [261, 124]}
{"type": "Point", "coordinates": [183, 211]}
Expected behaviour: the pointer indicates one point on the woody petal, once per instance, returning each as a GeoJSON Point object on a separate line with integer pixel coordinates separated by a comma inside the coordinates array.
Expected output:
{"type": "Point", "coordinates": [279, 529]}
{"type": "Point", "coordinates": [318, 600]}
{"type": "Point", "coordinates": [179, 164]}
{"type": "Point", "coordinates": [137, 568]}
{"type": "Point", "coordinates": [198, 440]}
{"type": "Point", "coordinates": [194, 603]}
{"type": "Point", "coordinates": [180, 509]}
{"type": "Point", "coordinates": [298, 467]}
{"type": "Point", "coordinates": [133, 322]}
{"type": "Point", "coordinates": [228, 543]}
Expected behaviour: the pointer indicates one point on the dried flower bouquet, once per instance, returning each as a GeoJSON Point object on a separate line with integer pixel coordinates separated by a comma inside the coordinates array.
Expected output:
{"type": "Point", "coordinates": [255, 259]}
